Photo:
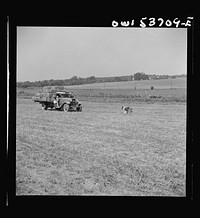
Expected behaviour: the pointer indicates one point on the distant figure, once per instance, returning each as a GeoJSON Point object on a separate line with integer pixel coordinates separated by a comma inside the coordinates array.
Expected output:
{"type": "Point", "coordinates": [56, 101]}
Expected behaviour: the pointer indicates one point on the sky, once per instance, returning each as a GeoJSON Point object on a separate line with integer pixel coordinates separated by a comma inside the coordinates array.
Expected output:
{"type": "Point", "coordinates": [45, 53]}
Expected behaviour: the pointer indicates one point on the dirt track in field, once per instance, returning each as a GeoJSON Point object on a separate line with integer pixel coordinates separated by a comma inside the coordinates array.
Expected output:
{"type": "Point", "coordinates": [101, 151]}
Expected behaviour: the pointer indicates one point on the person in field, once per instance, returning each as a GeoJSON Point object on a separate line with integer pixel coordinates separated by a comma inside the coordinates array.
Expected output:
{"type": "Point", "coordinates": [56, 101]}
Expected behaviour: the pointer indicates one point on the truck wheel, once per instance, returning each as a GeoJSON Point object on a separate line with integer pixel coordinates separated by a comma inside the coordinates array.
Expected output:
{"type": "Point", "coordinates": [79, 109]}
{"type": "Point", "coordinates": [44, 107]}
{"type": "Point", "coordinates": [65, 107]}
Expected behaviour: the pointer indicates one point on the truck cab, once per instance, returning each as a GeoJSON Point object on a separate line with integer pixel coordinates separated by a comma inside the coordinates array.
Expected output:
{"type": "Point", "coordinates": [67, 101]}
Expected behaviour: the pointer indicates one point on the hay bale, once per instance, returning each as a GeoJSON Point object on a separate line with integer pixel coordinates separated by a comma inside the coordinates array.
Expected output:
{"type": "Point", "coordinates": [47, 88]}
{"type": "Point", "coordinates": [47, 96]}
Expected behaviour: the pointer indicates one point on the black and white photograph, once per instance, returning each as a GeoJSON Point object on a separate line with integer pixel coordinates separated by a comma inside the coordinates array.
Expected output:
{"type": "Point", "coordinates": [101, 111]}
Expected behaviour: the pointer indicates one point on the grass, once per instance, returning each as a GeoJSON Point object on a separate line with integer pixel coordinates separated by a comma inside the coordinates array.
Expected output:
{"type": "Point", "coordinates": [178, 83]}
{"type": "Point", "coordinates": [118, 95]}
{"type": "Point", "coordinates": [101, 151]}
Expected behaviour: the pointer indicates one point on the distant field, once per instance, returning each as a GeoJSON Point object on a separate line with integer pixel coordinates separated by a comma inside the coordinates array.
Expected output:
{"type": "Point", "coordinates": [144, 84]}
{"type": "Point", "coordinates": [101, 151]}
{"type": "Point", "coordinates": [124, 91]}
{"type": "Point", "coordinates": [132, 95]}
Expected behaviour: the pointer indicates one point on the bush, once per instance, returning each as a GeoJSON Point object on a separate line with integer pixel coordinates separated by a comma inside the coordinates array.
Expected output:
{"type": "Point", "coordinates": [152, 87]}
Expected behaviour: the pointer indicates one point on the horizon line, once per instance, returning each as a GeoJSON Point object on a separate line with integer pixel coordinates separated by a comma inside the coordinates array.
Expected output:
{"type": "Point", "coordinates": [105, 77]}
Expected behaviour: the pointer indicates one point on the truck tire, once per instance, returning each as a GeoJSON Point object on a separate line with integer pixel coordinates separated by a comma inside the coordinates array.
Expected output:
{"type": "Point", "coordinates": [65, 107]}
{"type": "Point", "coordinates": [44, 107]}
{"type": "Point", "coordinates": [79, 109]}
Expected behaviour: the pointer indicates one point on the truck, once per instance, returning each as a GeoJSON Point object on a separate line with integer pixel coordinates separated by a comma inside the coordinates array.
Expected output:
{"type": "Point", "coordinates": [59, 100]}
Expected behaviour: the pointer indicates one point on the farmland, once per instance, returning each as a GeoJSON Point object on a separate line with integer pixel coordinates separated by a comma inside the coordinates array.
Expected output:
{"type": "Point", "coordinates": [141, 84]}
{"type": "Point", "coordinates": [124, 91]}
{"type": "Point", "coordinates": [102, 151]}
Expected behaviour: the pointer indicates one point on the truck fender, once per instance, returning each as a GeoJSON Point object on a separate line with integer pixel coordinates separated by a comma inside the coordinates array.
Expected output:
{"type": "Point", "coordinates": [65, 102]}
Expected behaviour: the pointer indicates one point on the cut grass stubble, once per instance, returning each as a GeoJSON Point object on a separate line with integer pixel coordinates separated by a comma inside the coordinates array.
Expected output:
{"type": "Point", "coordinates": [101, 151]}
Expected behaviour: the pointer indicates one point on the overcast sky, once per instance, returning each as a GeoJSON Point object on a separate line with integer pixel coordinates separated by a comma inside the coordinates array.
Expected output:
{"type": "Point", "coordinates": [45, 53]}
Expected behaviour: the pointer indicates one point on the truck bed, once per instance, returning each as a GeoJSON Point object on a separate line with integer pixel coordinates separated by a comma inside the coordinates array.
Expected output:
{"type": "Point", "coordinates": [46, 97]}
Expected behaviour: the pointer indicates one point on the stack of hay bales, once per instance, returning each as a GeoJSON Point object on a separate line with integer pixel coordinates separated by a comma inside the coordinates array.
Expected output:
{"type": "Point", "coordinates": [53, 88]}
{"type": "Point", "coordinates": [48, 94]}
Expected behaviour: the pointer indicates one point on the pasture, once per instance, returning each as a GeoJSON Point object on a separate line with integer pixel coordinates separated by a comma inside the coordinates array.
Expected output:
{"type": "Point", "coordinates": [124, 91]}
{"type": "Point", "coordinates": [178, 83]}
{"type": "Point", "coordinates": [101, 151]}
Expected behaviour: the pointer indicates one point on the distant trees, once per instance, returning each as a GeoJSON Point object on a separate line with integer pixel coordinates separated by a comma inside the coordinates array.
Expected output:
{"type": "Point", "coordinates": [140, 76]}
{"type": "Point", "coordinates": [24, 84]}
{"type": "Point", "coordinates": [78, 80]}
{"type": "Point", "coordinates": [92, 79]}
{"type": "Point", "coordinates": [74, 81]}
{"type": "Point", "coordinates": [154, 76]}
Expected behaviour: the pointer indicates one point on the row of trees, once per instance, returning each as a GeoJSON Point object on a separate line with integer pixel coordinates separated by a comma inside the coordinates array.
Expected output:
{"type": "Point", "coordinates": [92, 79]}
{"type": "Point", "coordinates": [67, 82]}
{"type": "Point", "coordinates": [141, 76]}
{"type": "Point", "coordinates": [73, 81]}
{"type": "Point", "coordinates": [79, 81]}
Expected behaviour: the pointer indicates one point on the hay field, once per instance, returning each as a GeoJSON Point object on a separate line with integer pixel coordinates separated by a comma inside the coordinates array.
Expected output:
{"type": "Point", "coordinates": [178, 83]}
{"type": "Point", "coordinates": [101, 151]}
{"type": "Point", "coordinates": [124, 91]}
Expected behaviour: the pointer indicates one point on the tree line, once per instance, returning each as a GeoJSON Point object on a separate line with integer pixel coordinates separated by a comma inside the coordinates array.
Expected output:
{"type": "Point", "coordinates": [72, 81]}
{"type": "Point", "coordinates": [88, 80]}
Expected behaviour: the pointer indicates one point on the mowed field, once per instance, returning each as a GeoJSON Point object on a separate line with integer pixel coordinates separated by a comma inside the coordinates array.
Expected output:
{"type": "Point", "coordinates": [178, 83]}
{"type": "Point", "coordinates": [101, 151]}
{"type": "Point", "coordinates": [124, 91]}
